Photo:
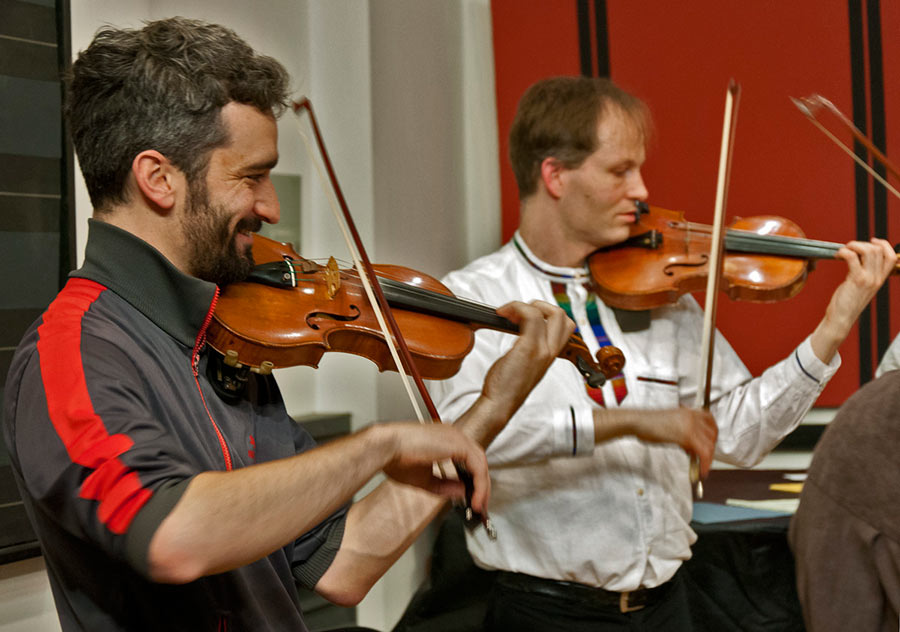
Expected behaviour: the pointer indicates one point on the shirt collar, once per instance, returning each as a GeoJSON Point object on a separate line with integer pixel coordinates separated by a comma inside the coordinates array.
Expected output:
{"type": "Point", "coordinates": [554, 273]}
{"type": "Point", "coordinates": [176, 302]}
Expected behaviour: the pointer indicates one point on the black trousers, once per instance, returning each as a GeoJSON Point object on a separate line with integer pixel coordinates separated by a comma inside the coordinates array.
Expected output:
{"type": "Point", "coordinates": [511, 608]}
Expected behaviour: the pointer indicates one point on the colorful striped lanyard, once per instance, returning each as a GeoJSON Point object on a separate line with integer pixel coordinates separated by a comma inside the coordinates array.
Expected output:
{"type": "Point", "coordinates": [562, 299]}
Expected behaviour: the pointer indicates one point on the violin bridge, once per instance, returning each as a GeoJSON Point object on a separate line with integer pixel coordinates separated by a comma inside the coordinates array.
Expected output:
{"type": "Point", "coordinates": [332, 278]}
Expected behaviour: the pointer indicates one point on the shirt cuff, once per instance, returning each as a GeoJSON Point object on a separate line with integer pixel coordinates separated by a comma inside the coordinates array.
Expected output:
{"type": "Point", "coordinates": [581, 422]}
{"type": "Point", "coordinates": [812, 367]}
{"type": "Point", "coordinates": [310, 571]}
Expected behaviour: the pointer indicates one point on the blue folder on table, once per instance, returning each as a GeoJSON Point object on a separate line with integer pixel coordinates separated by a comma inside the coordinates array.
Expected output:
{"type": "Point", "coordinates": [709, 513]}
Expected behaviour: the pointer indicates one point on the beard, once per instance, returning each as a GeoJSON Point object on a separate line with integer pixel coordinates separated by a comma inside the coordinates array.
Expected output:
{"type": "Point", "coordinates": [216, 257]}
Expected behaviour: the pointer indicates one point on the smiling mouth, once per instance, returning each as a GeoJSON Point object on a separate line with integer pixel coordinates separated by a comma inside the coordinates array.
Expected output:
{"type": "Point", "coordinates": [248, 226]}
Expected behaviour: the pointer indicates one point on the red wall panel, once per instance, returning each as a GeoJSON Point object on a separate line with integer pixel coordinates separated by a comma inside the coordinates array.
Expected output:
{"type": "Point", "coordinates": [530, 41]}
{"type": "Point", "coordinates": [679, 58]}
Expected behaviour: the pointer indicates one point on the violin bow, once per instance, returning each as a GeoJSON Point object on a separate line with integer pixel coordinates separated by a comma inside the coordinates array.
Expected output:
{"type": "Point", "coordinates": [717, 247]}
{"type": "Point", "coordinates": [363, 265]}
{"type": "Point", "coordinates": [383, 313]}
{"type": "Point", "coordinates": [810, 106]}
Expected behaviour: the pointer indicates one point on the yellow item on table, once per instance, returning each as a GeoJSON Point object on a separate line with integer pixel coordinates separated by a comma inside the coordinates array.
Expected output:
{"type": "Point", "coordinates": [791, 488]}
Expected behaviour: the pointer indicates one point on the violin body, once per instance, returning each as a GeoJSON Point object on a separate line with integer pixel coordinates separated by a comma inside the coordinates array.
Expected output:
{"type": "Point", "coordinates": [297, 325]}
{"type": "Point", "coordinates": [666, 256]}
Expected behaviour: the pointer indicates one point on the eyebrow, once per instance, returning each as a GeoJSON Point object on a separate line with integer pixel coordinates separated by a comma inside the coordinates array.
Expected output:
{"type": "Point", "coordinates": [265, 165]}
{"type": "Point", "coordinates": [625, 163]}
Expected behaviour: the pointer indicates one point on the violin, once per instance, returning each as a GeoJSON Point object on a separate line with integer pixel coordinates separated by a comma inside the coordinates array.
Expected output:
{"type": "Point", "coordinates": [767, 259]}
{"type": "Point", "coordinates": [291, 310]}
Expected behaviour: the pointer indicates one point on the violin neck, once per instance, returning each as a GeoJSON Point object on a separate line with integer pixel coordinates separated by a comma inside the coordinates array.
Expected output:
{"type": "Point", "coordinates": [750, 242]}
{"type": "Point", "coordinates": [406, 296]}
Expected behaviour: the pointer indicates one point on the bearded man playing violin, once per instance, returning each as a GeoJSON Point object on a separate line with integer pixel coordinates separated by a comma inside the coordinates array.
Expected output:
{"type": "Point", "coordinates": [158, 505]}
{"type": "Point", "coordinates": [593, 531]}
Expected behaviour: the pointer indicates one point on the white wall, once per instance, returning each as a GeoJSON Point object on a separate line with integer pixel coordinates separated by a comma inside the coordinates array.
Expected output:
{"type": "Point", "coordinates": [403, 91]}
{"type": "Point", "coordinates": [436, 171]}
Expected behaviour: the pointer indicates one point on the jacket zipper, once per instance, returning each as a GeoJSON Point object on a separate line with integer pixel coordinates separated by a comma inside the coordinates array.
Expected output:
{"type": "Point", "coordinates": [199, 343]}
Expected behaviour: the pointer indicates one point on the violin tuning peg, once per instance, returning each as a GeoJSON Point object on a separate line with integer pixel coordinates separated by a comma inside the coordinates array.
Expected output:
{"type": "Point", "coordinates": [231, 359]}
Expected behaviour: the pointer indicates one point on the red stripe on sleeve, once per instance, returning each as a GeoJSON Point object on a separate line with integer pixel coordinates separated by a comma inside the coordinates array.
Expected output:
{"type": "Point", "coordinates": [112, 484]}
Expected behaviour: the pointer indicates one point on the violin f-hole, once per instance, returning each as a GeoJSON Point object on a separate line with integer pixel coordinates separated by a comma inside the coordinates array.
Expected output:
{"type": "Point", "coordinates": [669, 269]}
{"type": "Point", "coordinates": [314, 316]}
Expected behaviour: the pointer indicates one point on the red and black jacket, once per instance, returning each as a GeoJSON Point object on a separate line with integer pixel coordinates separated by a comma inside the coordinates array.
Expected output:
{"type": "Point", "coordinates": [108, 415]}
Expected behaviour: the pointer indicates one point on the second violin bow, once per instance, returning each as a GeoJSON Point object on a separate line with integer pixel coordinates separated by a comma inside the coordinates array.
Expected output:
{"type": "Point", "coordinates": [811, 105]}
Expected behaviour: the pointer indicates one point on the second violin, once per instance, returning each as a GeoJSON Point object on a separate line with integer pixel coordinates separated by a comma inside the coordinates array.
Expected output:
{"type": "Point", "coordinates": [767, 260]}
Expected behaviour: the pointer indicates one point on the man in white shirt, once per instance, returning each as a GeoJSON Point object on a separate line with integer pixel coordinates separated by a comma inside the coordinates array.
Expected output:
{"type": "Point", "coordinates": [593, 525]}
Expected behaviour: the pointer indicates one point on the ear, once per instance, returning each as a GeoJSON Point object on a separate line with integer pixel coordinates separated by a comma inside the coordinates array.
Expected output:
{"type": "Point", "coordinates": [157, 178]}
{"type": "Point", "coordinates": [551, 175]}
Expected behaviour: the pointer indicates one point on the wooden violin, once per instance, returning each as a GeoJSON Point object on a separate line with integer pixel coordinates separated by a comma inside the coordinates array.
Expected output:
{"type": "Point", "coordinates": [291, 310]}
{"type": "Point", "coordinates": [767, 259]}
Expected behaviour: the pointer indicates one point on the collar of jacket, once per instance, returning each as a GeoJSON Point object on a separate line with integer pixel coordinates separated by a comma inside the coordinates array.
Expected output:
{"type": "Point", "coordinates": [127, 265]}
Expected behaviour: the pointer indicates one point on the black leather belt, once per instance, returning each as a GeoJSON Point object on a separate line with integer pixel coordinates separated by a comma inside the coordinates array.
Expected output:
{"type": "Point", "coordinates": [625, 601]}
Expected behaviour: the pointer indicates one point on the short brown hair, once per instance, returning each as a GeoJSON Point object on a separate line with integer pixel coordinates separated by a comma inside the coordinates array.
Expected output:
{"type": "Point", "coordinates": [161, 87]}
{"type": "Point", "coordinates": [557, 117]}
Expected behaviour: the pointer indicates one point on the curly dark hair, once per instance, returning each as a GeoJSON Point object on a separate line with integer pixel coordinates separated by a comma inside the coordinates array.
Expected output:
{"type": "Point", "coordinates": [161, 87]}
{"type": "Point", "coordinates": [558, 117]}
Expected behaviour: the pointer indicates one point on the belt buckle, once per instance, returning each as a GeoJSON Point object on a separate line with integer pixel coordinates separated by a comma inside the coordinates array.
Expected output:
{"type": "Point", "coordinates": [624, 606]}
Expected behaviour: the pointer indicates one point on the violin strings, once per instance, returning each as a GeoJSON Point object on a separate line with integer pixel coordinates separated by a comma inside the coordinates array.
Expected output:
{"type": "Point", "coordinates": [780, 245]}
{"type": "Point", "coordinates": [751, 242]}
{"type": "Point", "coordinates": [462, 308]}
{"type": "Point", "coordinates": [453, 306]}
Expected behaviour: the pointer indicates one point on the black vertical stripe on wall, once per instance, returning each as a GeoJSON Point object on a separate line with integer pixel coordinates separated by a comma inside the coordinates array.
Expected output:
{"type": "Point", "coordinates": [879, 138]}
{"type": "Point", "coordinates": [584, 37]}
{"type": "Point", "coordinates": [601, 35]}
{"type": "Point", "coordinates": [861, 178]}
{"type": "Point", "coordinates": [596, 47]}
{"type": "Point", "coordinates": [67, 258]}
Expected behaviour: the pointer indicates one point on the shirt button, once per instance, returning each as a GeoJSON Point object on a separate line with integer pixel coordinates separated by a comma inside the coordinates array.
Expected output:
{"type": "Point", "coordinates": [640, 491]}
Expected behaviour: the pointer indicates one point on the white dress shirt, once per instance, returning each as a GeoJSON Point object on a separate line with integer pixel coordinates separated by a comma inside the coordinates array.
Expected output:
{"type": "Point", "coordinates": [617, 514]}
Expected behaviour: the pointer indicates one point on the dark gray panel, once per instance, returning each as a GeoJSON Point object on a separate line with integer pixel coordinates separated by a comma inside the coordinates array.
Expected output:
{"type": "Point", "coordinates": [31, 261]}
{"type": "Point", "coordinates": [31, 151]}
{"type": "Point", "coordinates": [15, 322]}
{"type": "Point", "coordinates": [28, 20]}
{"type": "Point", "coordinates": [15, 529]}
{"type": "Point", "coordinates": [4, 453]}
{"type": "Point", "coordinates": [30, 61]}
{"type": "Point", "coordinates": [8, 491]}
{"type": "Point", "coordinates": [23, 214]}
{"type": "Point", "coordinates": [30, 120]}
{"type": "Point", "coordinates": [6, 356]}
{"type": "Point", "coordinates": [26, 174]}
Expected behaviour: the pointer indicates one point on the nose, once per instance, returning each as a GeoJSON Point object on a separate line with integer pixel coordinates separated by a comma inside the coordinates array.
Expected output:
{"type": "Point", "coordinates": [267, 207]}
{"type": "Point", "coordinates": [637, 190]}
